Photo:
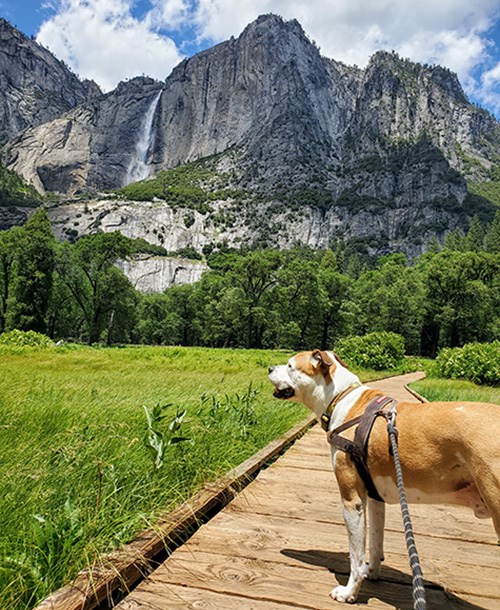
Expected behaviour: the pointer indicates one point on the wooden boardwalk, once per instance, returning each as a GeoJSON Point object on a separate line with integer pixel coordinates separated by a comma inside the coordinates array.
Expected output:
{"type": "Point", "coordinates": [281, 544]}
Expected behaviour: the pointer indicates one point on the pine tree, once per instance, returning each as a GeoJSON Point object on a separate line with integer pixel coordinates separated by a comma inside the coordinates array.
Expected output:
{"type": "Point", "coordinates": [492, 237]}
{"type": "Point", "coordinates": [474, 241]}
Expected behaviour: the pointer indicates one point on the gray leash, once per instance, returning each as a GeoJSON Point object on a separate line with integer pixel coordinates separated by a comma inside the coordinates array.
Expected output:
{"type": "Point", "coordinates": [419, 602]}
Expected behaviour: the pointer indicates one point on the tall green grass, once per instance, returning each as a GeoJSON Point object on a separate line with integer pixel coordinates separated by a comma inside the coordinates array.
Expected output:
{"type": "Point", "coordinates": [78, 472]}
{"type": "Point", "coordinates": [454, 389]}
{"type": "Point", "coordinates": [95, 443]}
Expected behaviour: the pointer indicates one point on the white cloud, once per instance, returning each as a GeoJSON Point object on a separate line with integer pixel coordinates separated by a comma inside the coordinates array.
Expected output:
{"type": "Point", "coordinates": [169, 13]}
{"type": "Point", "coordinates": [489, 88]}
{"type": "Point", "coordinates": [101, 40]}
{"type": "Point", "coordinates": [452, 33]}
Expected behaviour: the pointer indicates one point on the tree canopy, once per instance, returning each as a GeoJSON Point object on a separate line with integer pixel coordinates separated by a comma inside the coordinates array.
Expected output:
{"type": "Point", "coordinates": [294, 299]}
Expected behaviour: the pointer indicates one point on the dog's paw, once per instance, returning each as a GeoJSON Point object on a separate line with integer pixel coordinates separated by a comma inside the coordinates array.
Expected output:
{"type": "Point", "coordinates": [343, 594]}
{"type": "Point", "coordinates": [373, 572]}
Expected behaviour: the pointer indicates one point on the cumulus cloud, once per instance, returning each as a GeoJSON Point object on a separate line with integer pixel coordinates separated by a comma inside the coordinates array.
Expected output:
{"type": "Point", "coordinates": [489, 88]}
{"type": "Point", "coordinates": [452, 33]}
{"type": "Point", "coordinates": [101, 40]}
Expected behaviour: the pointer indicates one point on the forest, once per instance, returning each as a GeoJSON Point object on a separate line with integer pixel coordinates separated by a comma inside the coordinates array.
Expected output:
{"type": "Point", "coordinates": [291, 299]}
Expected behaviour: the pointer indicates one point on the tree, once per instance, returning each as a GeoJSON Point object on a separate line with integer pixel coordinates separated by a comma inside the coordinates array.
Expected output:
{"type": "Point", "coordinates": [474, 240]}
{"type": "Point", "coordinates": [462, 298]}
{"type": "Point", "coordinates": [292, 319]}
{"type": "Point", "coordinates": [255, 275]}
{"type": "Point", "coordinates": [8, 249]}
{"type": "Point", "coordinates": [99, 289]}
{"type": "Point", "coordinates": [33, 267]}
{"type": "Point", "coordinates": [166, 319]}
{"type": "Point", "coordinates": [454, 240]}
{"type": "Point", "coordinates": [391, 298]}
{"type": "Point", "coordinates": [334, 289]}
{"type": "Point", "coordinates": [492, 237]}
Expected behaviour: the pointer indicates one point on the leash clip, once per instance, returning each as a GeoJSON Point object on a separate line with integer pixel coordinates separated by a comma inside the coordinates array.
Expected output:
{"type": "Point", "coordinates": [391, 422]}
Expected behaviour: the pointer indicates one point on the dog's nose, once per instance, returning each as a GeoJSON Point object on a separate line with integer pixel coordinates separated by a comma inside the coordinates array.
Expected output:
{"type": "Point", "coordinates": [271, 369]}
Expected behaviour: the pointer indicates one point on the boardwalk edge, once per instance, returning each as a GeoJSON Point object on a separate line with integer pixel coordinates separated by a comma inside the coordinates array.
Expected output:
{"type": "Point", "coordinates": [116, 573]}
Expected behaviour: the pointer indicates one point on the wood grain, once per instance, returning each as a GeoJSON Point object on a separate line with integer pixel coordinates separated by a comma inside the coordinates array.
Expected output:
{"type": "Point", "coordinates": [280, 543]}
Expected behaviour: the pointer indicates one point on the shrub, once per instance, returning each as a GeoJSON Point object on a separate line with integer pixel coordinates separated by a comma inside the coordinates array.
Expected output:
{"type": "Point", "coordinates": [477, 362]}
{"type": "Point", "coordinates": [378, 350]}
{"type": "Point", "coordinates": [20, 338]}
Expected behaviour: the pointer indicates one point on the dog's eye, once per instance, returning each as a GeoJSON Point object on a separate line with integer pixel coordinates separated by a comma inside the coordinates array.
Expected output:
{"type": "Point", "coordinates": [289, 366]}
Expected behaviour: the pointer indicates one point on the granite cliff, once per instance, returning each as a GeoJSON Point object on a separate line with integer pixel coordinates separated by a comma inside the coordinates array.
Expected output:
{"type": "Point", "coordinates": [294, 147]}
{"type": "Point", "coordinates": [35, 86]}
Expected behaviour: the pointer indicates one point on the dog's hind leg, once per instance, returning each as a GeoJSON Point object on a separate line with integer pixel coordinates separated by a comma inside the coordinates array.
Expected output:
{"type": "Point", "coordinates": [354, 512]}
{"type": "Point", "coordinates": [376, 520]}
{"type": "Point", "coordinates": [489, 489]}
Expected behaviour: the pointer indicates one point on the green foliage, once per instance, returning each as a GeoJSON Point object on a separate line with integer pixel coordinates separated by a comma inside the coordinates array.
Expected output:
{"type": "Point", "coordinates": [73, 453]}
{"type": "Point", "coordinates": [20, 338]}
{"type": "Point", "coordinates": [476, 205]}
{"type": "Point", "coordinates": [377, 350]}
{"type": "Point", "coordinates": [234, 413]}
{"type": "Point", "coordinates": [435, 389]}
{"type": "Point", "coordinates": [489, 190]}
{"type": "Point", "coordinates": [157, 440]}
{"type": "Point", "coordinates": [15, 192]}
{"type": "Point", "coordinates": [30, 285]}
{"type": "Point", "coordinates": [101, 293]}
{"type": "Point", "coordinates": [492, 236]}
{"type": "Point", "coordinates": [462, 298]}
{"type": "Point", "coordinates": [141, 246]}
{"type": "Point", "coordinates": [477, 362]}
{"type": "Point", "coordinates": [192, 186]}
{"type": "Point", "coordinates": [190, 253]}
{"type": "Point", "coordinates": [391, 297]}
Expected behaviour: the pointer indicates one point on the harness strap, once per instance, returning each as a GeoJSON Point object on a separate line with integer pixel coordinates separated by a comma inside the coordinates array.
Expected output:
{"type": "Point", "coordinates": [326, 416]}
{"type": "Point", "coordinates": [358, 448]}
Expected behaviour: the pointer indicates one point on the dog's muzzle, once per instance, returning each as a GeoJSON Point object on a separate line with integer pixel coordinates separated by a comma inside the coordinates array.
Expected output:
{"type": "Point", "coordinates": [278, 379]}
{"type": "Point", "coordinates": [284, 392]}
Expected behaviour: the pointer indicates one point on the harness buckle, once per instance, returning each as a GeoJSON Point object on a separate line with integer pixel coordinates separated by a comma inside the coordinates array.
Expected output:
{"type": "Point", "coordinates": [325, 421]}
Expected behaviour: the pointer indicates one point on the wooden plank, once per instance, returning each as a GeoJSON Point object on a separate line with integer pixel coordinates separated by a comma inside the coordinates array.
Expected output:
{"type": "Point", "coordinates": [315, 494]}
{"type": "Point", "coordinates": [276, 544]}
{"type": "Point", "coordinates": [181, 598]}
{"type": "Point", "coordinates": [463, 567]}
{"type": "Point", "coordinates": [120, 570]}
{"type": "Point", "coordinates": [283, 584]}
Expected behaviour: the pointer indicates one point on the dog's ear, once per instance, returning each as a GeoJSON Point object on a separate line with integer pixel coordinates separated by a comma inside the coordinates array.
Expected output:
{"type": "Point", "coordinates": [340, 361]}
{"type": "Point", "coordinates": [322, 359]}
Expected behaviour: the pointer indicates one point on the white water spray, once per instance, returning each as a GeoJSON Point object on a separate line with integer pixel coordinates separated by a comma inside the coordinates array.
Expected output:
{"type": "Point", "coordinates": [138, 168]}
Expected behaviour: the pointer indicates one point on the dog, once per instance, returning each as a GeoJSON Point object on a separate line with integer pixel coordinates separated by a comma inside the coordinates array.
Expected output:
{"type": "Point", "coordinates": [449, 451]}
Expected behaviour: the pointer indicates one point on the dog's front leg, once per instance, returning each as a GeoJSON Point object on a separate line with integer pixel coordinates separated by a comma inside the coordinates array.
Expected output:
{"type": "Point", "coordinates": [354, 512]}
{"type": "Point", "coordinates": [376, 520]}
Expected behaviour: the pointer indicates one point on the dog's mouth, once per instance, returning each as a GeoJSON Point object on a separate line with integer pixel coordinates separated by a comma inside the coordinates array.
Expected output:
{"type": "Point", "coordinates": [283, 393]}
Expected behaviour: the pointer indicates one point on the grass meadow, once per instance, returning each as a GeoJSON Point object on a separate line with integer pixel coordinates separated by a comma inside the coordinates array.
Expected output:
{"type": "Point", "coordinates": [82, 471]}
{"type": "Point", "coordinates": [84, 466]}
{"type": "Point", "coordinates": [456, 389]}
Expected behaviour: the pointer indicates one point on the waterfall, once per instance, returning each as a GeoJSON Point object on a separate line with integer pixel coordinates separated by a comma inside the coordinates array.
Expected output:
{"type": "Point", "coordinates": [138, 168]}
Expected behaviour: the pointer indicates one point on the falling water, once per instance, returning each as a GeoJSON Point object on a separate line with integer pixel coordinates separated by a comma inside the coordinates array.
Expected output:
{"type": "Point", "coordinates": [138, 168]}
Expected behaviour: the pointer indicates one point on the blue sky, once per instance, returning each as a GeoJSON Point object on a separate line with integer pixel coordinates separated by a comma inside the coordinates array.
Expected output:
{"type": "Point", "coordinates": [111, 40]}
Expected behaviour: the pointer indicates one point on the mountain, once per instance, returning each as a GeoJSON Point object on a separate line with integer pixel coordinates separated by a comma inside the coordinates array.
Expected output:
{"type": "Point", "coordinates": [36, 87]}
{"type": "Point", "coordinates": [282, 145]}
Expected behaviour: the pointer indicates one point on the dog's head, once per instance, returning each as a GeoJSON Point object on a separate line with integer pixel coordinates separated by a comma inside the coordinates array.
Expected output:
{"type": "Point", "coordinates": [304, 374]}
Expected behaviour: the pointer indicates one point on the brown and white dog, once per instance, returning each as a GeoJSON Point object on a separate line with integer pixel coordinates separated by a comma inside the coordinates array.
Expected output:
{"type": "Point", "coordinates": [450, 454]}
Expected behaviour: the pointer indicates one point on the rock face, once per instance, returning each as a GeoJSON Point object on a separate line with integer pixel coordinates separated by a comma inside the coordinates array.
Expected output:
{"type": "Point", "coordinates": [273, 97]}
{"type": "Point", "coordinates": [36, 87]}
{"type": "Point", "coordinates": [150, 274]}
{"type": "Point", "coordinates": [309, 149]}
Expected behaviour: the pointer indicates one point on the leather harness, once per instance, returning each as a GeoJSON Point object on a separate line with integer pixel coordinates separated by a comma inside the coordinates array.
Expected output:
{"type": "Point", "coordinates": [358, 448]}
